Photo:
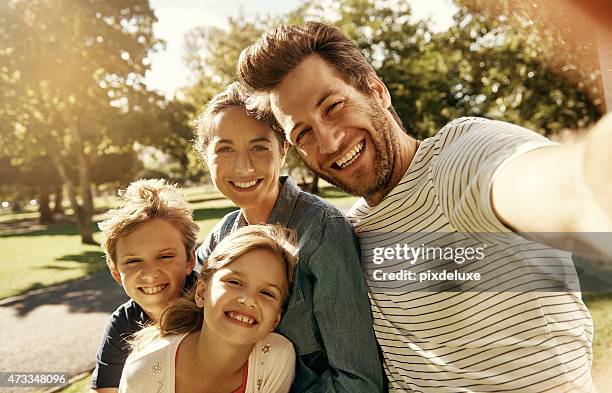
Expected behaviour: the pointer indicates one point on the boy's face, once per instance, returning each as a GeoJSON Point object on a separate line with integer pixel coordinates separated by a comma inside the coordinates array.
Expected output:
{"type": "Point", "coordinates": [152, 265]}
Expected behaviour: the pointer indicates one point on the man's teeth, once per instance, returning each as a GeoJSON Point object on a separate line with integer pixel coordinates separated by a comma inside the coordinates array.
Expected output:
{"type": "Point", "coordinates": [241, 318]}
{"type": "Point", "coordinates": [153, 290]}
{"type": "Point", "coordinates": [245, 185]}
{"type": "Point", "coordinates": [351, 156]}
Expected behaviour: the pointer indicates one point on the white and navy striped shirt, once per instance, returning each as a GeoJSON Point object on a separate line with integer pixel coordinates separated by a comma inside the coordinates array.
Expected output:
{"type": "Point", "coordinates": [512, 331]}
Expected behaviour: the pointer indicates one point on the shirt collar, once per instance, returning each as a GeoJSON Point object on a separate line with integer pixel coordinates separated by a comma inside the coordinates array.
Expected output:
{"type": "Point", "coordinates": [283, 208]}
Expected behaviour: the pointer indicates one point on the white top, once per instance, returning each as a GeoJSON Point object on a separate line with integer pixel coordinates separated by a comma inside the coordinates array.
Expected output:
{"type": "Point", "coordinates": [510, 338]}
{"type": "Point", "coordinates": [271, 366]}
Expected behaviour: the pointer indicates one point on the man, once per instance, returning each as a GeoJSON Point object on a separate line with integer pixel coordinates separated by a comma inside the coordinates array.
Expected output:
{"type": "Point", "coordinates": [527, 329]}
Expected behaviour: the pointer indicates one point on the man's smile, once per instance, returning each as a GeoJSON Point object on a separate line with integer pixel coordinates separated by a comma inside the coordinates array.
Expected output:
{"type": "Point", "coordinates": [349, 157]}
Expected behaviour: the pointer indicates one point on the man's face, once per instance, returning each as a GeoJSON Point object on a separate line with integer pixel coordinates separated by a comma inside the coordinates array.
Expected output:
{"type": "Point", "coordinates": [345, 136]}
{"type": "Point", "coordinates": [152, 265]}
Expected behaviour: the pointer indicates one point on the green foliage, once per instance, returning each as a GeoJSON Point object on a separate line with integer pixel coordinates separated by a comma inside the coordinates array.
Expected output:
{"type": "Point", "coordinates": [73, 90]}
{"type": "Point", "coordinates": [479, 67]}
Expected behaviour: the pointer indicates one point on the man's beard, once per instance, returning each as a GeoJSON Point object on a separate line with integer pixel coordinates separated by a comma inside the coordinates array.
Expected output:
{"type": "Point", "coordinates": [383, 142]}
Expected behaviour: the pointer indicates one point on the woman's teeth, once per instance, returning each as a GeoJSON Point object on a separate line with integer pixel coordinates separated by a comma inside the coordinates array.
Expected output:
{"type": "Point", "coordinates": [241, 318]}
{"type": "Point", "coordinates": [351, 156]}
{"type": "Point", "coordinates": [245, 185]}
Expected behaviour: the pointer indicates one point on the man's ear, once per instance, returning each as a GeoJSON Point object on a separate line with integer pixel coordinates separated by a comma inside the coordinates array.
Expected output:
{"type": "Point", "coordinates": [191, 261]}
{"type": "Point", "coordinates": [116, 275]}
{"type": "Point", "coordinates": [200, 293]}
{"type": "Point", "coordinates": [379, 90]}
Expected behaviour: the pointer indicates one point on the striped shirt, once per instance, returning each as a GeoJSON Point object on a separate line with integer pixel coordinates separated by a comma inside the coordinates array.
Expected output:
{"type": "Point", "coordinates": [522, 327]}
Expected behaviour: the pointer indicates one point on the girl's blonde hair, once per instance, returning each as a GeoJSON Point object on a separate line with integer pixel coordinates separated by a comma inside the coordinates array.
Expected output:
{"type": "Point", "coordinates": [185, 316]}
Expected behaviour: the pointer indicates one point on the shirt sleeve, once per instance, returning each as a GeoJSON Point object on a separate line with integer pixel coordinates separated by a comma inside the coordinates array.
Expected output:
{"type": "Point", "coordinates": [342, 312]}
{"type": "Point", "coordinates": [282, 367]}
{"type": "Point", "coordinates": [112, 352]}
{"type": "Point", "coordinates": [464, 172]}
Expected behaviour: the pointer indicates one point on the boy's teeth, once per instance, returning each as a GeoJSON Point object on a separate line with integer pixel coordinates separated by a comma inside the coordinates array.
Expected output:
{"type": "Point", "coordinates": [241, 318]}
{"type": "Point", "coordinates": [350, 156]}
{"type": "Point", "coordinates": [245, 185]}
{"type": "Point", "coordinates": [153, 290]}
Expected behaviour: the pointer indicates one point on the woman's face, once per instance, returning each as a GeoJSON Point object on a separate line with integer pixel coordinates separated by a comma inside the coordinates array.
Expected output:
{"type": "Point", "coordinates": [242, 301]}
{"type": "Point", "coordinates": [245, 159]}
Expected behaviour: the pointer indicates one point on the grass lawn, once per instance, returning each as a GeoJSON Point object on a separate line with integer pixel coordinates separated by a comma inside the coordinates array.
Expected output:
{"type": "Point", "coordinates": [36, 256]}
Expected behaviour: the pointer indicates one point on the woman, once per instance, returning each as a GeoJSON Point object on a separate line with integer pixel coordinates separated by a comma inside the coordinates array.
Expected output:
{"type": "Point", "coordinates": [328, 315]}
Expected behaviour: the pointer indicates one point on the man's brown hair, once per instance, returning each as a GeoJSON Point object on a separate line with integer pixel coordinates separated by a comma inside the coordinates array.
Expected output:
{"type": "Point", "coordinates": [264, 64]}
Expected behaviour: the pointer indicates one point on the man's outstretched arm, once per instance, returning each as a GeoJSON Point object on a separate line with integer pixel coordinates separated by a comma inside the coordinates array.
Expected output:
{"type": "Point", "coordinates": [561, 188]}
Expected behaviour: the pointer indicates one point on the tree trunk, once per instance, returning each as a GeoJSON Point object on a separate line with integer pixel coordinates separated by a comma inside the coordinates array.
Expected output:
{"type": "Point", "coordinates": [314, 186]}
{"type": "Point", "coordinates": [43, 206]}
{"type": "Point", "coordinates": [59, 197]}
{"type": "Point", "coordinates": [82, 189]}
{"type": "Point", "coordinates": [83, 212]}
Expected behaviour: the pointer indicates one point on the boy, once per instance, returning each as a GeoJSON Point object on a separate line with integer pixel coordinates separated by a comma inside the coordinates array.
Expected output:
{"type": "Point", "coordinates": [149, 245]}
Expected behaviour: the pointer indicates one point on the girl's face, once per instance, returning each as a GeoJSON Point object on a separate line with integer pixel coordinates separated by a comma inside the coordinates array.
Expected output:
{"type": "Point", "coordinates": [245, 159]}
{"type": "Point", "coordinates": [242, 301]}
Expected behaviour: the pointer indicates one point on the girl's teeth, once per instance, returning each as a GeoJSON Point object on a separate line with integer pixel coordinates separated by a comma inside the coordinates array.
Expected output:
{"type": "Point", "coordinates": [241, 318]}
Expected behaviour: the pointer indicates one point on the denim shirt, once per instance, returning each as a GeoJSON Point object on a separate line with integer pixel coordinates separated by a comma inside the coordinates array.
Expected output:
{"type": "Point", "coordinates": [328, 315]}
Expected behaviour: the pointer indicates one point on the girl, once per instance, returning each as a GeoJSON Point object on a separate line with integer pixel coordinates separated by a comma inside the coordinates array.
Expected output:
{"type": "Point", "coordinates": [218, 338]}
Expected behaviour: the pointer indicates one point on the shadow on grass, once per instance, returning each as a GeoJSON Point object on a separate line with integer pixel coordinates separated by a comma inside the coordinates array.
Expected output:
{"type": "Point", "coordinates": [212, 213]}
{"type": "Point", "coordinates": [70, 229]}
{"type": "Point", "coordinates": [60, 229]}
{"type": "Point", "coordinates": [97, 292]}
{"type": "Point", "coordinates": [213, 198]}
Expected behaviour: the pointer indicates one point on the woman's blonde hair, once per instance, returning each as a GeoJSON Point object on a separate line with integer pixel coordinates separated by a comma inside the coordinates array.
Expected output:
{"type": "Point", "coordinates": [185, 315]}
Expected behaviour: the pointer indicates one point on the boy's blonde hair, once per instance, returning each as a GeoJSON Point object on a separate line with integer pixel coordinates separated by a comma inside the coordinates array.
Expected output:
{"type": "Point", "coordinates": [144, 201]}
{"type": "Point", "coordinates": [185, 315]}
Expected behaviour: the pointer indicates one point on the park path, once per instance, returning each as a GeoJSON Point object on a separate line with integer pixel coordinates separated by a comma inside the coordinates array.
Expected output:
{"type": "Point", "coordinates": [56, 328]}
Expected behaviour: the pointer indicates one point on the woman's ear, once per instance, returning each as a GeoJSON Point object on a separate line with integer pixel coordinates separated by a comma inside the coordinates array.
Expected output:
{"type": "Point", "coordinates": [200, 293]}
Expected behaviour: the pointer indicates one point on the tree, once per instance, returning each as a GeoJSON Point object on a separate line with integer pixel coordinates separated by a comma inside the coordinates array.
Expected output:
{"type": "Point", "coordinates": [73, 89]}
{"type": "Point", "coordinates": [480, 66]}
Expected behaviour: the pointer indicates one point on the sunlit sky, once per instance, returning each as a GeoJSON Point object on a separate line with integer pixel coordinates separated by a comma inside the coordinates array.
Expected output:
{"type": "Point", "coordinates": [168, 70]}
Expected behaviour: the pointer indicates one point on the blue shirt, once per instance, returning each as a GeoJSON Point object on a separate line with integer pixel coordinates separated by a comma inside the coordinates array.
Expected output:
{"type": "Point", "coordinates": [328, 316]}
